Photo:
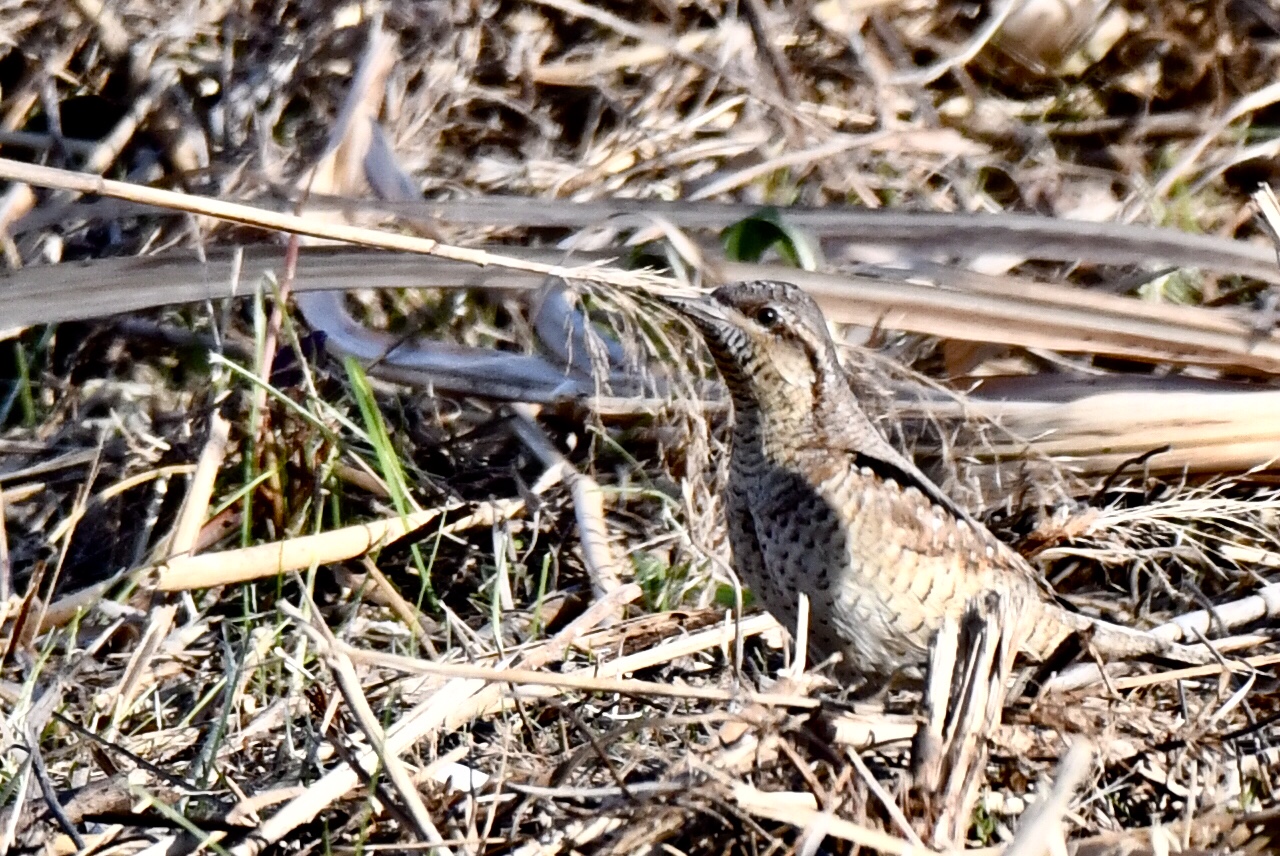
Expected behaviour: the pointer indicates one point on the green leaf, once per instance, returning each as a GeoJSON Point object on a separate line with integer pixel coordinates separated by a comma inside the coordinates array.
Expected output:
{"type": "Point", "coordinates": [390, 466]}
{"type": "Point", "coordinates": [725, 599]}
{"type": "Point", "coordinates": [376, 428]}
{"type": "Point", "coordinates": [749, 239]}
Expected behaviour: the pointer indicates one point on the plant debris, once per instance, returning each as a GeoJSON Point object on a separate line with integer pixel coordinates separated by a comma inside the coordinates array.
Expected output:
{"type": "Point", "coordinates": [438, 564]}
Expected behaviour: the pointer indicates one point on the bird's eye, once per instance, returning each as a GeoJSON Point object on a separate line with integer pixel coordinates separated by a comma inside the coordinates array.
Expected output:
{"type": "Point", "coordinates": [767, 317]}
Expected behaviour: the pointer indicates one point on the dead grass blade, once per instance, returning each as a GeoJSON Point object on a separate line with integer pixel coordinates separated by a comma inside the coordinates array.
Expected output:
{"type": "Point", "coordinates": [335, 656]}
{"type": "Point", "coordinates": [1065, 321]}
{"type": "Point", "coordinates": [138, 673]}
{"type": "Point", "coordinates": [1264, 603]}
{"type": "Point", "coordinates": [248, 215]}
{"type": "Point", "coordinates": [1107, 324]}
{"type": "Point", "coordinates": [916, 235]}
{"type": "Point", "coordinates": [586, 681]}
{"type": "Point", "coordinates": [969, 674]}
{"type": "Point", "coordinates": [1176, 431]}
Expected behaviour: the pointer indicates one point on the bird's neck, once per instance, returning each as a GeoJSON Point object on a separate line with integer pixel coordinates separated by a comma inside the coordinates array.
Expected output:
{"type": "Point", "coordinates": [774, 431]}
{"type": "Point", "coordinates": [776, 423]}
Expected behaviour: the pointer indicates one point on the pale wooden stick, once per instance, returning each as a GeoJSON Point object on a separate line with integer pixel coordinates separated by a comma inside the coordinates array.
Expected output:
{"type": "Point", "coordinates": [801, 812]}
{"type": "Point", "coordinates": [1264, 603]}
{"type": "Point", "coordinates": [295, 554]}
{"type": "Point", "coordinates": [195, 506]}
{"type": "Point", "coordinates": [588, 505]}
{"type": "Point", "coordinates": [1044, 818]}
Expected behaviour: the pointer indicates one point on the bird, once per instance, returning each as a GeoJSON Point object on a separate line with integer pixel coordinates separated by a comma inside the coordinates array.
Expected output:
{"type": "Point", "coordinates": [819, 501]}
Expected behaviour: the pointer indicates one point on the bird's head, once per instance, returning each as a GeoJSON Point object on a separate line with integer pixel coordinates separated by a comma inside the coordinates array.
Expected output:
{"type": "Point", "coordinates": [770, 343]}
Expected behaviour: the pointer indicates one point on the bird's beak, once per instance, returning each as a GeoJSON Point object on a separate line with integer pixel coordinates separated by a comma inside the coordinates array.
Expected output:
{"type": "Point", "coordinates": [704, 314]}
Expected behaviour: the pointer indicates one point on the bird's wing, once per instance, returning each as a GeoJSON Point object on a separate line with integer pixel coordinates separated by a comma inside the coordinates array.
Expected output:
{"type": "Point", "coordinates": [869, 448]}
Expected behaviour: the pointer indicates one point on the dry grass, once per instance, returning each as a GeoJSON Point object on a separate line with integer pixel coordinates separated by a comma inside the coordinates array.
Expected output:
{"type": "Point", "coordinates": [468, 591]}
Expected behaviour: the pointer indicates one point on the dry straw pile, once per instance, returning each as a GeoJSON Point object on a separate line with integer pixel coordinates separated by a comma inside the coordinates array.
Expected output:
{"type": "Point", "coordinates": [357, 496]}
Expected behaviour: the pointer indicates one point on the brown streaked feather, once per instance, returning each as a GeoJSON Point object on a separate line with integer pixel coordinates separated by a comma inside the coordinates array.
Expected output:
{"type": "Point", "coordinates": [820, 502]}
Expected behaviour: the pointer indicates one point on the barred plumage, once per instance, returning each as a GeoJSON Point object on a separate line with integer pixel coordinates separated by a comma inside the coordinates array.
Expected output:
{"type": "Point", "coordinates": [819, 501]}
